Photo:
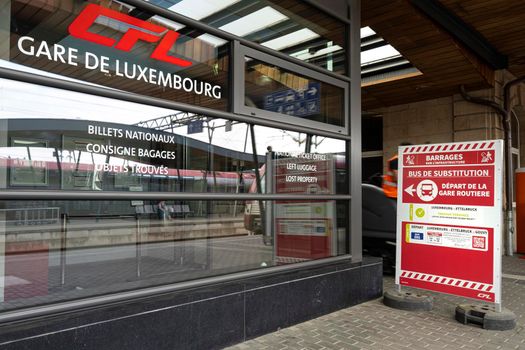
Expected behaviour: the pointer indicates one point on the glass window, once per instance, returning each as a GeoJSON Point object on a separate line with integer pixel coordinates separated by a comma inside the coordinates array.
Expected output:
{"type": "Point", "coordinates": [27, 168]}
{"type": "Point", "coordinates": [56, 250]}
{"type": "Point", "coordinates": [64, 250]}
{"type": "Point", "coordinates": [117, 47]}
{"type": "Point", "coordinates": [53, 139]}
{"type": "Point", "coordinates": [61, 140]}
{"type": "Point", "coordinates": [274, 89]}
{"type": "Point", "coordinates": [292, 27]}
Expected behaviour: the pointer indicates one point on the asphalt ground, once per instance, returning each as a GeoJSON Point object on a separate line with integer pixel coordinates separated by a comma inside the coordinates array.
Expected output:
{"type": "Point", "coordinates": [372, 325]}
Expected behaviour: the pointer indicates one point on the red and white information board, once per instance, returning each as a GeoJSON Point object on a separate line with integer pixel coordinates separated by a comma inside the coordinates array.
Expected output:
{"type": "Point", "coordinates": [449, 218]}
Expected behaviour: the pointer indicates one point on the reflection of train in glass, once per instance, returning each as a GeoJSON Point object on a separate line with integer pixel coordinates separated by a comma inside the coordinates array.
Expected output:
{"type": "Point", "coordinates": [55, 155]}
{"type": "Point", "coordinates": [93, 177]}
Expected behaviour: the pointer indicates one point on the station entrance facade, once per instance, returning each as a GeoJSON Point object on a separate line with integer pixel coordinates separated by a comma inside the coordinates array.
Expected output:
{"type": "Point", "coordinates": [155, 157]}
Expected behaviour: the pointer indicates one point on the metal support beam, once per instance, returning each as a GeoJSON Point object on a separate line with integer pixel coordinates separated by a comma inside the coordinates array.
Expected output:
{"type": "Point", "coordinates": [462, 32]}
{"type": "Point", "coordinates": [354, 166]}
{"type": "Point", "coordinates": [159, 196]}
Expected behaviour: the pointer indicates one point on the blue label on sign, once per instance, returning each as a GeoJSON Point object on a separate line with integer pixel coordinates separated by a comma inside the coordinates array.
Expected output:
{"type": "Point", "coordinates": [195, 127]}
{"type": "Point", "coordinates": [417, 235]}
{"type": "Point", "coordinates": [299, 103]}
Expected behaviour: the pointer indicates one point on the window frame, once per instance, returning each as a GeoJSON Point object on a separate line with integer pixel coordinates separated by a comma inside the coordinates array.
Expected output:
{"type": "Point", "coordinates": [15, 184]}
{"type": "Point", "coordinates": [240, 52]}
{"type": "Point", "coordinates": [352, 139]}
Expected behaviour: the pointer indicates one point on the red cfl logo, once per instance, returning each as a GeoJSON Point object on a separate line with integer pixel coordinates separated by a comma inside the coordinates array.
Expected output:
{"type": "Point", "coordinates": [80, 26]}
{"type": "Point", "coordinates": [484, 296]}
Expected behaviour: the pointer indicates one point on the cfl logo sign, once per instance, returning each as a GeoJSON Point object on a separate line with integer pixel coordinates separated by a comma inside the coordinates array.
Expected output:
{"type": "Point", "coordinates": [484, 296]}
{"type": "Point", "coordinates": [149, 32]}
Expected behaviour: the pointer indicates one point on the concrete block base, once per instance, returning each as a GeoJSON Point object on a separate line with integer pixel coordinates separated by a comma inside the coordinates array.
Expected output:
{"type": "Point", "coordinates": [408, 301]}
{"type": "Point", "coordinates": [486, 316]}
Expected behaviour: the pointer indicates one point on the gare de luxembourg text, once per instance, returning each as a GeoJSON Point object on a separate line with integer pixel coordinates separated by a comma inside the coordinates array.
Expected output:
{"type": "Point", "coordinates": [69, 55]}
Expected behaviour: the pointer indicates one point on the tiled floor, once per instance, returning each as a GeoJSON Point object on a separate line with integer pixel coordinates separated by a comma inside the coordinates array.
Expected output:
{"type": "Point", "coordinates": [372, 325]}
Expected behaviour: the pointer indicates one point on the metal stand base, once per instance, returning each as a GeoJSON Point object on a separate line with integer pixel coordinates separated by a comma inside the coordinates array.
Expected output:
{"type": "Point", "coordinates": [486, 316]}
{"type": "Point", "coordinates": [408, 301]}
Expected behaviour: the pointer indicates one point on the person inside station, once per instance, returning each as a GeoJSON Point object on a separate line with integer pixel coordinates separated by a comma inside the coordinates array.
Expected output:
{"type": "Point", "coordinates": [163, 211]}
{"type": "Point", "coordinates": [390, 178]}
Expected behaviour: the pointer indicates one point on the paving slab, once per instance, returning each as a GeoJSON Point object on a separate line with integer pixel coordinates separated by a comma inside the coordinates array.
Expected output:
{"type": "Point", "coordinates": [372, 325]}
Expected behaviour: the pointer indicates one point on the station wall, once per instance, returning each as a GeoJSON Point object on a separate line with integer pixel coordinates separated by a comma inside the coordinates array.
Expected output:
{"type": "Point", "coordinates": [445, 119]}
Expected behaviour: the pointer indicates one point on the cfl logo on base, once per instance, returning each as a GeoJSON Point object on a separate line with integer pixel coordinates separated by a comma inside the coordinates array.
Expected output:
{"type": "Point", "coordinates": [149, 32]}
{"type": "Point", "coordinates": [484, 296]}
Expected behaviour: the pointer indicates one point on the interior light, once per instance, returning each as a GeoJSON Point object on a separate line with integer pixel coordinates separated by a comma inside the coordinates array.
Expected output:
{"type": "Point", "coordinates": [366, 31]}
{"type": "Point", "coordinates": [167, 23]}
{"type": "Point", "coordinates": [201, 9]}
{"type": "Point", "coordinates": [378, 54]}
{"type": "Point", "coordinates": [291, 39]}
{"type": "Point", "coordinates": [263, 80]}
{"type": "Point", "coordinates": [254, 22]}
{"type": "Point", "coordinates": [212, 40]}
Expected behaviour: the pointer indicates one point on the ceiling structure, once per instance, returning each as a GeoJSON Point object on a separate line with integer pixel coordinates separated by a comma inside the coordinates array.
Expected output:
{"type": "Point", "coordinates": [451, 42]}
{"type": "Point", "coordinates": [411, 50]}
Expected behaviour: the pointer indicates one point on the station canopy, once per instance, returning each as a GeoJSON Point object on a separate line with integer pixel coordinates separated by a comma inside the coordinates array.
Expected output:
{"type": "Point", "coordinates": [450, 42]}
